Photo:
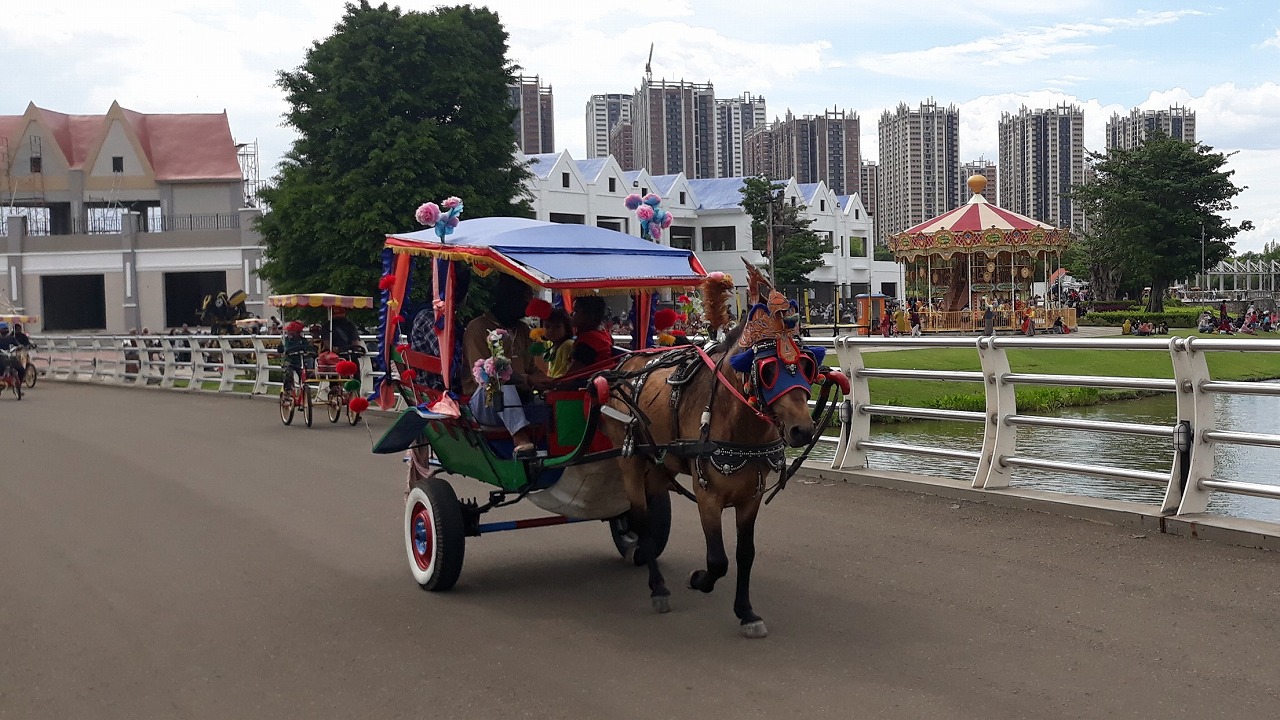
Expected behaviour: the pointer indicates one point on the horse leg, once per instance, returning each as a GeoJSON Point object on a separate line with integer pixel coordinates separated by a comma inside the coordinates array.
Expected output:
{"type": "Point", "coordinates": [711, 510]}
{"type": "Point", "coordinates": [635, 474]}
{"type": "Point", "coordinates": [752, 625]}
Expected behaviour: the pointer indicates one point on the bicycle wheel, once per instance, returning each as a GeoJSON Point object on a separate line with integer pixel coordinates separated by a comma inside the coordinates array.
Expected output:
{"type": "Point", "coordinates": [32, 375]}
{"type": "Point", "coordinates": [306, 404]}
{"type": "Point", "coordinates": [352, 416]}
{"type": "Point", "coordinates": [287, 405]}
{"type": "Point", "coordinates": [334, 401]}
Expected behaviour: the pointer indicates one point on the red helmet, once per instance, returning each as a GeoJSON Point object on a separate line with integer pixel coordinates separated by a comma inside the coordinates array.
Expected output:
{"type": "Point", "coordinates": [293, 326]}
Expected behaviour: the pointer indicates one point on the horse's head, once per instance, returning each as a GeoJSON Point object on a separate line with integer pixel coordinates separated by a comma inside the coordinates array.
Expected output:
{"type": "Point", "coordinates": [779, 372]}
{"type": "Point", "coordinates": [780, 378]}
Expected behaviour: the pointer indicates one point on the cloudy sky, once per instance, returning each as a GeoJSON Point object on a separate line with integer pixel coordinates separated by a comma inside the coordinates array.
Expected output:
{"type": "Point", "coordinates": [1222, 60]}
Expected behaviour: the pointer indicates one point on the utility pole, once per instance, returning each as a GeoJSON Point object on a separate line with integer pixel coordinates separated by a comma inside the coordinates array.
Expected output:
{"type": "Point", "coordinates": [1203, 279]}
{"type": "Point", "coordinates": [769, 236]}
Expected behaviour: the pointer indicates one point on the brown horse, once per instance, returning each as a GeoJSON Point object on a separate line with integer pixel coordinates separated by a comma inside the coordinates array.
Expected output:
{"type": "Point", "coordinates": [740, 430]}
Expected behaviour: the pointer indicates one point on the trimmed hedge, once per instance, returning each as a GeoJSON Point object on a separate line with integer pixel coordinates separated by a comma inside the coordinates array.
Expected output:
{"type": "Point", "coordinates": [1173, 317]}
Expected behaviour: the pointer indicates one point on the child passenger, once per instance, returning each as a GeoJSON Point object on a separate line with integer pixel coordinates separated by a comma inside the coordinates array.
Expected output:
{"type": "Point", "coordinates": [592, 344]}
{"type": "Point", "coordinates": [559, 341]}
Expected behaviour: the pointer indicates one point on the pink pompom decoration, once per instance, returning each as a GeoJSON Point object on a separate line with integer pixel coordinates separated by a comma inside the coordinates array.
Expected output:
{"type": "Point", "coordinates": [453, 221]}
{"type": "Point", "coordinates": [428, 214]}
{"type": "Point", "coordinates": [717, 275]}
{"type": "Point", "coordinates": [651, 199]}
{"type": "Point", "coordinates": [655, 231]}
{"type": "Point", "coordinates": [666, 220]}
{"type": "Point", "coordinates": [451, 202]}
{"type": "Point", "coordinates": [633, 201]}
{"type": "Point", "coordinates": [645, 212]}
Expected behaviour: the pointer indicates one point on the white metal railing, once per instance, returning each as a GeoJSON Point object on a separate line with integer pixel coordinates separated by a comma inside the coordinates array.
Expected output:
{"type": "Point", "coordinates": [243, 364]}
{"type": "Point", "coordinates": [1188, 481]}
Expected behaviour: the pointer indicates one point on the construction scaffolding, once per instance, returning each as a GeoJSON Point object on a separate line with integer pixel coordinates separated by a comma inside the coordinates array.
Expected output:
{"type": "Point", "coordinates": [247, 154]}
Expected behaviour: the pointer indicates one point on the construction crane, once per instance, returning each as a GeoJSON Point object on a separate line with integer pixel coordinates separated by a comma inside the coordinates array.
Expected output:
{"type": "Point", "coordinates": [648, 69]}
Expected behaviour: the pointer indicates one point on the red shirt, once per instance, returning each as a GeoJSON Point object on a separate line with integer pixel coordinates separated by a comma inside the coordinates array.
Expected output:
{"type": "Point", "coordinates": [592, 346]}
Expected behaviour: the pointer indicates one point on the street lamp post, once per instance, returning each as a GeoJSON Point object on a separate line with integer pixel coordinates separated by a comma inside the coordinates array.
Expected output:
{"type": "Point", "coordinates": [1203, 279]}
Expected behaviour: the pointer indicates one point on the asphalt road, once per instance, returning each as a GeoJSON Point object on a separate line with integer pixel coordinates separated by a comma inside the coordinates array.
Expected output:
{"type": "Point", "coordinates": [174, 556]}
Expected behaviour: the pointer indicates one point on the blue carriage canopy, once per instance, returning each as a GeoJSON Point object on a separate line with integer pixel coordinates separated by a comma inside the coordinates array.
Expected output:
{"type": "Point", "coordinates": [574, 258]}
{"type": "Point", "coordinates": [568, 259]}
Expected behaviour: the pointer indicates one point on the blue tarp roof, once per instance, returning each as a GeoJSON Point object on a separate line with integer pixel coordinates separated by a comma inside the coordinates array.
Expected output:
{"type": "Point", "coordinates": [591, 167]}
{"type": "Point", "coordinates": [540, 165]}
{"type": "Point", "coordinates": [557, 254]}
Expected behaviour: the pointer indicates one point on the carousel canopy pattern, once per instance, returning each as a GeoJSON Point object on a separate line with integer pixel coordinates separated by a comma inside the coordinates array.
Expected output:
{"type": "Point", "coordinates": [316, 300]}
{"type": "Point", "coordinates": [978, 227]}
{"type": "Point", "coordinates": [19, 319]}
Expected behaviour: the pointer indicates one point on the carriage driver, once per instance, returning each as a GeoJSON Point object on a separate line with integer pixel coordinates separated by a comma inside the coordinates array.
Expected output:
{"type": "Point", "coordinates": [510, 407]}
{"type": "Point", "coordinates": [9, 343]}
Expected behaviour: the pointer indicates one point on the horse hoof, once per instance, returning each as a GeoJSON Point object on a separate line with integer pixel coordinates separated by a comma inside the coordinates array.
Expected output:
{"type": "Point", "coordinates": [693, 579]}
{"type": "Point", "coordinates": [755, 629]}
{"type": "Point", "coordinates": [661, 603]}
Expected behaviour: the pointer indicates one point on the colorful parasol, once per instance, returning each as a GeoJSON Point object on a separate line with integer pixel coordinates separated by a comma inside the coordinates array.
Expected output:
{"type": "Point", "coordinates": [318, 300]}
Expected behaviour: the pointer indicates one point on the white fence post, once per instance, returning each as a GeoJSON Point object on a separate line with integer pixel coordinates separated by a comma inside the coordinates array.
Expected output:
{"type": "Point", "coordinates": [849, 453]}
{"type": "Point", "coordinates": [998, 437]}
{"type": "Point", "coordinates": [1195, 407]}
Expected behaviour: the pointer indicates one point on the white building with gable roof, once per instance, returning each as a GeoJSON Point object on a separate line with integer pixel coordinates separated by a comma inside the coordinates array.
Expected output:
{"type": "Point", "coordinates": [709, 219]}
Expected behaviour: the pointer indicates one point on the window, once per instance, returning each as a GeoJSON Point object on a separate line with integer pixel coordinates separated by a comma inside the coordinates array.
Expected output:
{"type": "Point", "coordinates": [37, 166]}
{"type": "Point", "coordinates": [682, 201]}
{"type": "Point", "coordinates": [564, 179]}
{"type": "Point", "coordinates": [681, 237]}
{"type": "Point", "coordinates": [117, 164]}
{"type": "Point", "coordinates": [857, 214]}
{"type": "Point", "coordinates": [822, 206]}
{"type": "Point", "coordinates": [718, 238]}
{"type": "Point", "coordinates": [613, 184]}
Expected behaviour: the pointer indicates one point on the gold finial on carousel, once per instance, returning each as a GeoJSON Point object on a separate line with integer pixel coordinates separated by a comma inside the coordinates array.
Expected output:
{"type": "Point", "coordinates": [977, 183]}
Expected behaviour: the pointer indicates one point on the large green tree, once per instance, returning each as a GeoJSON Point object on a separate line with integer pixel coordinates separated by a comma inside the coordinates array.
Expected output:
{"type": "Point", "coordinates": [797, 249]}
{"type": "Point", "coordinates": [391, 110]}
{"type": "Point", "coordinates": [1151, 206]}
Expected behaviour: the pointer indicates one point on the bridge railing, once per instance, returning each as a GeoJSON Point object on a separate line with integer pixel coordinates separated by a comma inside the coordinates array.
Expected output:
{"type": "Point", "coordinates": [1193, 434]}
{"type": "Point", "coordinates": [246, 364]}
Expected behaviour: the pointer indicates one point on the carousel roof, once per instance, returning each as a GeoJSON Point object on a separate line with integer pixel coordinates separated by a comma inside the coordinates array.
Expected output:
{"type": "Point", "coordinates": [978, 227]}
{"type": "Point", "coordinates": [977, 215]}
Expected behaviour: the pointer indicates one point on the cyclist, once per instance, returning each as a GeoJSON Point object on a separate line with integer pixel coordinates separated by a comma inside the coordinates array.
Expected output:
{"type": "Point", "coordinates": [9, 344]}
{"type": "Point", "coordinates": [296, 349]}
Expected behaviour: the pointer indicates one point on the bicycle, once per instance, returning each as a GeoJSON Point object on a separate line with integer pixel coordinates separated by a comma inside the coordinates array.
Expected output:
{"type": "Point", "coordinates": [299, 394]}
{"type": "Point", "coordinates": [338, 397]}
{"type": "Point", "coordinates": [10, 377]}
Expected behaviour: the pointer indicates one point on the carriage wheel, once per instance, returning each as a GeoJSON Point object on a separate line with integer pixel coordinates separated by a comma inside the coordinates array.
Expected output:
{"type": "Point", "coordinates": [32, 375]}
{"type": "Point", "coordinates": [286, 406]}
{"type": "Point", "coordinates": [307, 413]}
{"type": "Point", "coordinates": [434, 533]}
{"type": "Point", "coordinates": [334, 400]}
{"type": "Point", "coordinates": [17, 385]}
{"type": "Point", "coordinates": [659, 523]}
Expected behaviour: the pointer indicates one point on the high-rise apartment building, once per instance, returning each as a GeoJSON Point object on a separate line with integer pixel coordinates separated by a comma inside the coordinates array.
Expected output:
{"type": "Point", "coordinates": [757, 152]}
{"type": "Point", "coordinates": [603, 113]}
{"type": "Point", "coordinates": [535, 118]}
{"type": "Point", "coordinates": [735, 118]}
{"type": "Point", "coordinates": [986, 169]}
{"type": "Point", "coordinates": [622, 145]}
{"type": "Point", "coordinates": [675, 128]}
{"type": "Point", "coordinates": [1128, 132]}
{"type": "Point", "coordinates": [869, 182]}
{"type": "Point", "coordinates": [1041, 159]}
{"type": "Point", "coordinates": [814, 148]}
{"type": "Point", "coordinates": [919, 166]}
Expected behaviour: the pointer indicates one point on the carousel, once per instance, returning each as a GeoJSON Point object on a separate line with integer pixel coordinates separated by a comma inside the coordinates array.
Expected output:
{"type": "Point", "coordinates": [979, 256]}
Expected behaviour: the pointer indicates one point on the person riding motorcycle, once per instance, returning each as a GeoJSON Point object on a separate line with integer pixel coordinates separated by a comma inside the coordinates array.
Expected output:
{"type": "Point", "coordinates": [9, 345]}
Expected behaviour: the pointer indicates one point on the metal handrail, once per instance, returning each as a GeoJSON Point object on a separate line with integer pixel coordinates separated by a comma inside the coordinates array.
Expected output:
{"type": "Point", "coordinates": [1095, 381]}
{"type": "Point", "coordinates": [1094, 425]}
{"type": "Point", "coordinates": [946, 375]}
{"type": "Point", "coordinates": [1145, 476]}
{"type": "Point", "coordinates": [919, 450]}
{"type": "Point", "coordinates": [922, 413]}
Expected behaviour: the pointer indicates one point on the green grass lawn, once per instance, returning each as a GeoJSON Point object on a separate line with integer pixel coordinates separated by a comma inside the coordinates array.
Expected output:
{"type": "Point", "coordinates": [1124, 363]}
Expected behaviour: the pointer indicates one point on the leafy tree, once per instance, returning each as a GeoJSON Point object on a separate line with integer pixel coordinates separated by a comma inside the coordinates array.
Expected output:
{"type": "Point", "coordinates": [1148, 206]}
{"type": "Point", "coordinates": [797, 249]}
{"type": "Point", "coordinates": [393, 109]}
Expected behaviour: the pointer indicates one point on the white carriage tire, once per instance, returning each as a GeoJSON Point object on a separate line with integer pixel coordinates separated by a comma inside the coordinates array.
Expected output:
{"type": "Point", "coordinates": [436, 566]}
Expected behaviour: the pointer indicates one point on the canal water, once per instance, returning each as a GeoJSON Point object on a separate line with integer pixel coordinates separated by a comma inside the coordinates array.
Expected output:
{"type": "Point", "coordinates": [1244, 413]}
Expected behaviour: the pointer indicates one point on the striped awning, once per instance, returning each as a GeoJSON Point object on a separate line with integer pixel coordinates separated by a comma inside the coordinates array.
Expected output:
{"type": "Point", "coordinates": [20, 319]}
{"type": "Point", "coordinates": [978, 227]}
{"type": "Point", "coordinates": [318, 300]}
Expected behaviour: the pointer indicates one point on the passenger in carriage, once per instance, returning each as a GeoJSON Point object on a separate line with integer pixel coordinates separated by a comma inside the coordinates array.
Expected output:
{"type": "Point", "coordinates": [592, 344]}
{"type": "Point", "coordinates": [512, 406]}
{"type": "Point", "coordinates": [558, 352]}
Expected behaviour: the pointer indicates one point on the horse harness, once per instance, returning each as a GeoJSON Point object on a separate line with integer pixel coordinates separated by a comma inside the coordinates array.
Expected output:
{"type": "Point", "coordinates": [726, 457]}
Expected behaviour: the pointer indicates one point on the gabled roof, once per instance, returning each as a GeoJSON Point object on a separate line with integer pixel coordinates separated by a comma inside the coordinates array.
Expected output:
{"type": "Point", "coordinates": [717, 193]}
{"type": "Point", "coordinates": [591, 168]}
{"type": "Point", "coordinates": [541, 164]}
{"type": "Point", "coordinates": [662, 184]}
{"type": "Point", "coordinates": [807, 191]}
{"type": "Point", "coordinates": [188, 146]}
{"type": "Point", "coordinates": [843, 201]}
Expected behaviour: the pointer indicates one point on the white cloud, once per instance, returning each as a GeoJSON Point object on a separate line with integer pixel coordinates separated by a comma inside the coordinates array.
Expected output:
{"type": "Point", "coordinates": [1273, 41]}
{"type": "Point", "coordinates": [1011, 48]}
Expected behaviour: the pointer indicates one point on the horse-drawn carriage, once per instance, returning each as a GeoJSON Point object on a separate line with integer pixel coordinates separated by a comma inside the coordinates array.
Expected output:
{"type": "Point", "coordinates": [616, 434]}
{"type": "Point", "coordinates": [331, 377]}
